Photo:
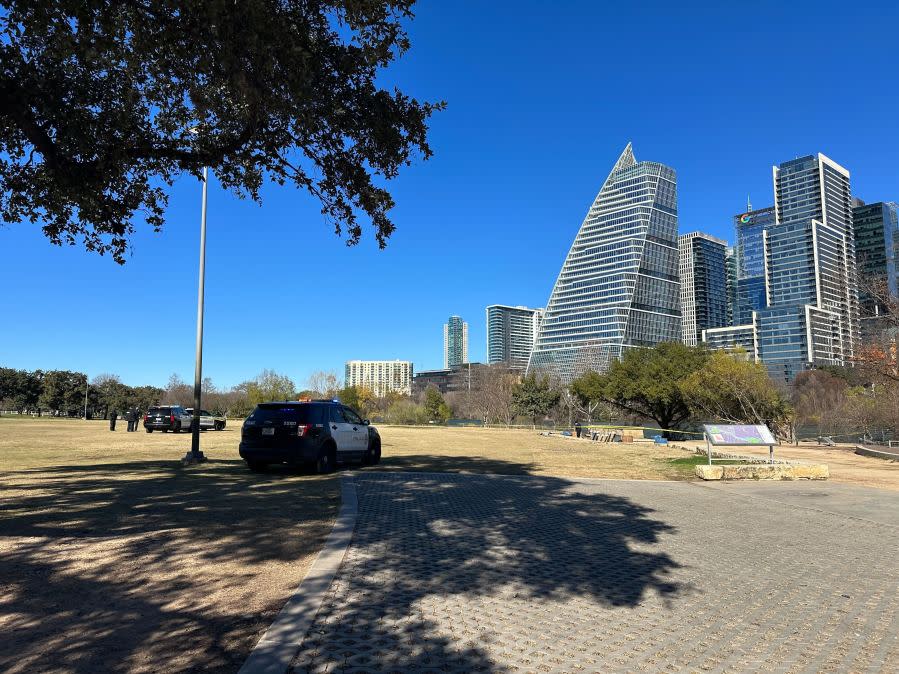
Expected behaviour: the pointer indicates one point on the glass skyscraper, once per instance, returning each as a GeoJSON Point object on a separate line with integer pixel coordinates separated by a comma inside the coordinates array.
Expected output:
{"type": "Point", "coordinates": [703, 284]}
{"type": "Point", "coordinates": [810, 271]}
{"type": "Point", "coordinates": [510, 334]}
{"type": "Point", "coordinates": [455, 342]}
{"type": "Point", "coordinates": [750, 263]}
{"type": "Point", "coordinates": [877, 249]}
{"type": "Point", "coordinates": [619, 286]}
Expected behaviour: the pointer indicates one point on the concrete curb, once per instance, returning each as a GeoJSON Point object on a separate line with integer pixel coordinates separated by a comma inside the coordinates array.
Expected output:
{"type": "Point", "coordinates": [876, 453]}
{"type": "Point", "coordinates": [281, 641]}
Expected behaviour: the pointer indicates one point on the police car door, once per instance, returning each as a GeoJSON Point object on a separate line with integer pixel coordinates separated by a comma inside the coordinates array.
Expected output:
{"type": "Point", "coordinates": [341, 430]}
{"type": "Point", "coordinates": [360, 430]}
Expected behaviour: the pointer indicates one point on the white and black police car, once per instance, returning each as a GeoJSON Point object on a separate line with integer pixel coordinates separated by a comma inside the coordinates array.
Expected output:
{"type": "Point", "coordinates": [317, 433]}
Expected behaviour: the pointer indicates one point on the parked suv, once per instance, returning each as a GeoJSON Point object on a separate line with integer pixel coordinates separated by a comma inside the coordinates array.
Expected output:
{"type": "Point", "coordinates": [166, 418]}
{"type": "Point", "coordinates": [208, 420]}
{"type": "Point", "coordinates": [319, 433]}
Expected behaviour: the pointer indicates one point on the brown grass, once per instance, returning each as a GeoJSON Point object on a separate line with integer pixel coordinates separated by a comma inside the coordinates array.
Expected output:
{"type": "Point", "coordinates": [518, 451]}
{"type": "Point", "coordinates": [115, 558]}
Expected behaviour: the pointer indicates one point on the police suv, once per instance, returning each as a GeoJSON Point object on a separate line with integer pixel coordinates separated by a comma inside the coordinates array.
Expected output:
{"type": "Point", "coordinates": [318, 433]}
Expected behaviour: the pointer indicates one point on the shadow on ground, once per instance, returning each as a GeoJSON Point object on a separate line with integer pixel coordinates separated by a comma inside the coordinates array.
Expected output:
{"type": "Point", "coordinates": [147, 566]}
{"type": "Point", "coordinates": [437, 563]}
{"type": "Point", "coordinates": [432, 463]}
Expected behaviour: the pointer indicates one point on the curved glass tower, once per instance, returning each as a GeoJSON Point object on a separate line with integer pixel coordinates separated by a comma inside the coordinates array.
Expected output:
{"type": "Point", "coordinates": [619, 285]}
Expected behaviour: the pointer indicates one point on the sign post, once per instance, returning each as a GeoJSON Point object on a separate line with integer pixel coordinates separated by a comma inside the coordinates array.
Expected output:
{"type": "Point", "coordinates": [732, 435]}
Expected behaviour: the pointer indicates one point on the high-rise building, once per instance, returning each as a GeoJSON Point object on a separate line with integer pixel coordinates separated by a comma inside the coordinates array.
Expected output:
{"type": "Point", "coordinates": [810, 311]}
{"type": "Point", "coordinates": [749, 252]}
{"type": "Point", "coordinates": [455, 342]}
{"type": "Point", "coordinates": [380, 376]}
{"type": "Point", "coordinates": [730, 271]}
{"type": "Point", "coordinates": [876, 228]}
{"type": "Point", "coordinates": [510, 334]}
{"type": "Point", "coordinates": [618, 287]}
{"type": "Point", "coordinates": [703, 284]}
{"type": "Point", "coordinates": [810, 273]}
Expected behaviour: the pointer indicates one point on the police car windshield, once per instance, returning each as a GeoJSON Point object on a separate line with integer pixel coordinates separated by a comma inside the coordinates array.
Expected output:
{"type": "Point", "coordinates": [301, 413]}
{"type": "Point", "coordinates": [159, 410]}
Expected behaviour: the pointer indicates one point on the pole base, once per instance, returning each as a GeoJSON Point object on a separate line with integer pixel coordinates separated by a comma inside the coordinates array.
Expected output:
{"type": "Point", "coordinates": [191, 459]}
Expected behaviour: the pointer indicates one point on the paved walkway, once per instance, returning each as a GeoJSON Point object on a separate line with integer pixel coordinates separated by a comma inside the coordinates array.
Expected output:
{"type": "Point", "coordinates": [464, 573]}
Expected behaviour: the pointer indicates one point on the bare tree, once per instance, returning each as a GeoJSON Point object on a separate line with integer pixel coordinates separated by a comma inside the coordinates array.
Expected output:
{"type": "Point", "coordinates": [325, 384]}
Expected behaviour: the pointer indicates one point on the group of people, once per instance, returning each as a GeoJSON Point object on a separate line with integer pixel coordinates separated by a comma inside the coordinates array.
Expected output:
{"type": "Point", "coordinates": [132, 416]}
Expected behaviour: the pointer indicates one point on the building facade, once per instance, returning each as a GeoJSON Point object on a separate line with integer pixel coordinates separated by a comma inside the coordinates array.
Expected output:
{"type": "Point", "coordinates": [734, 338]}
{"type": "Point", "coordinates": [618, 287]}
{"type": "Point", "coordinates": [380, 376]}
{"type": "Point", "coordinates": [510, 334]}
{"type": "Point", "coordinates": [809, 312]}
{"type": "Point", "coordinates": [459, 378]}
{"type": "Point", "coordinates": [703, 284]}
{"type": "Point", "coordinates": [876, 230]}
{"type": "Point", "coordinates": [455, 342]}
{"type": "Point", "coordinates": [749, 252]}
{"type": "Point", "coordinates": [811, 292]}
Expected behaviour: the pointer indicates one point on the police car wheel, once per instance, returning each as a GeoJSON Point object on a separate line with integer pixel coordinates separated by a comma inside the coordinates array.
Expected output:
{"type": "Point", "coordinates": [375, 452]}
{"type": "Point", "coordinates": [149, 430]}
{"type": "Point", "coordinates": [326, 461]}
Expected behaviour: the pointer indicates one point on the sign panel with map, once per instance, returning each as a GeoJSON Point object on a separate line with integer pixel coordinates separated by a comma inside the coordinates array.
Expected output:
{"type": "Point", "coordinates": [734, 435]}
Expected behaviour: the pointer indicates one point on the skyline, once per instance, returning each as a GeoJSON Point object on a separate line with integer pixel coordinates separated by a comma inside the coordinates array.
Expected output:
{"type": "Point", "coordinates": [499, 203]}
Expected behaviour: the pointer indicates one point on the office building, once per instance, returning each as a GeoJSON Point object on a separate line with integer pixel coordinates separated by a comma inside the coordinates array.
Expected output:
{"type": "Point", "coordinates": [809, 314]}
{"type": "Point", "coordinates": [730, 270]}
{"type": "Point", "coordinates": [510, 334]}
{"type": "Point", "coordinates": [703, 284]}
{"type": "Point", "coordinates": [618, 287]}
{"type": "Point", "coordinates": [459, 378]}
{"type": "Point", "coordinates": [455, 342]}
{"type": "Point", "coordinates": [380, 376]}
{"type": "Point", "coordinates": [876, 229]}
{"type": "Point", "coordinates": [743, 338]}
{"type": "Point", "coordinates": [810, 273]}
{"type": "Point", "coordinates": [749, 252]}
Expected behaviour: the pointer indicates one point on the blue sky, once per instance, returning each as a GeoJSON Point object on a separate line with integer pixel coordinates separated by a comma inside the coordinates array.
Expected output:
{"type": "Point", "coordinates": [542, 97]}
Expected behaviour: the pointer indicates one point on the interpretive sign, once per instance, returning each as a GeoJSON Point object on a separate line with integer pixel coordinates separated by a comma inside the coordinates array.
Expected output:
{"type": "Point", "coordinates": [721, 434]}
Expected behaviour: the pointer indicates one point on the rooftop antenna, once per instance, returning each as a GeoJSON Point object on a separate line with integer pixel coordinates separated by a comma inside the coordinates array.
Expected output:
{"type": "Point", "coordinates": [748, 204]}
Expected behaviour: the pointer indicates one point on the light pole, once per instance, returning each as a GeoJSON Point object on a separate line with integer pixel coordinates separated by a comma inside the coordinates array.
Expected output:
{"type": "Point", "coordinates": [195, 455]}
{"type": "Point", "coordinates": [86, 385]}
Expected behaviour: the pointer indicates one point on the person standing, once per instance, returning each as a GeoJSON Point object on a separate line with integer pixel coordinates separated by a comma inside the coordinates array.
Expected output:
{"type": "Point", "coordinates": [112, 419]}
{"type": "Point", "coordinates": [577, 429]}
{"type": "Point", "coordinates": [132, 420]}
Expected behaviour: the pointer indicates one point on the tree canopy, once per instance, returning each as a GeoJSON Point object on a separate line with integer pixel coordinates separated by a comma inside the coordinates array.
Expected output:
{"type": "Point", "coordinates": [737, 391]}
{"type": "Point", "coordinates": [103, 104]}
{"type": "Point", "coordinates": [534, 398]}
{"type": "Point", "coordinates": [645, 382]}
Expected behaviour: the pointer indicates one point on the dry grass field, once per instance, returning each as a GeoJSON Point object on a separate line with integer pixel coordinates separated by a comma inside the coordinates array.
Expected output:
{"type": "Point", "coordinates": [115, 558]}
{"type": "Point", "coordinates": [519, 451]}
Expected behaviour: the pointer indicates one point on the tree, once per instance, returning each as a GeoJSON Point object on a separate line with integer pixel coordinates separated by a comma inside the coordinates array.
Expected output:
{"type": "Point", "coordinates": [63, 391]}
{"type": "Point", "coordinates": [493, 397]}
{"type": "Point", "coordinates": [645, 382]}
{"type": "Point", "coordinates": [406, 412]}
{"type": "Point", "coordinates": [103, 104]}
{"type": "Point", "coordinates": [819, 398]}
{"type": "Point", "coordinates": [269, 386]}
{"type": "Point", "coordinates": [534, 398]}
{"type": "Point", "coordinates": [360, 398]}
{"type": "Point", "coordinates": [737, 391]}
{"type": "Point", "coordinates": [177, 392]}
{"type": "Point", "coordinates": [435, 406]}
{"type": "Point", "coordinates": [323, 384]}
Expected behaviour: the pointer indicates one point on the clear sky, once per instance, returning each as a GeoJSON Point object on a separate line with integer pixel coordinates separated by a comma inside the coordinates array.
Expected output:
{"type": "Point", "coordinates": [542, 97]}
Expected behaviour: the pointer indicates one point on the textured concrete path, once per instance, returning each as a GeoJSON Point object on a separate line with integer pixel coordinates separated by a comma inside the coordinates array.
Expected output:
{"type": "Point", "coordinates": [464, 573]}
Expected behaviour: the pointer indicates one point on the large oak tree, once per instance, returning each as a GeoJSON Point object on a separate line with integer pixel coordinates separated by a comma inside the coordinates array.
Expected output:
{"type": "Point", "coordinates": [103, 103]}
